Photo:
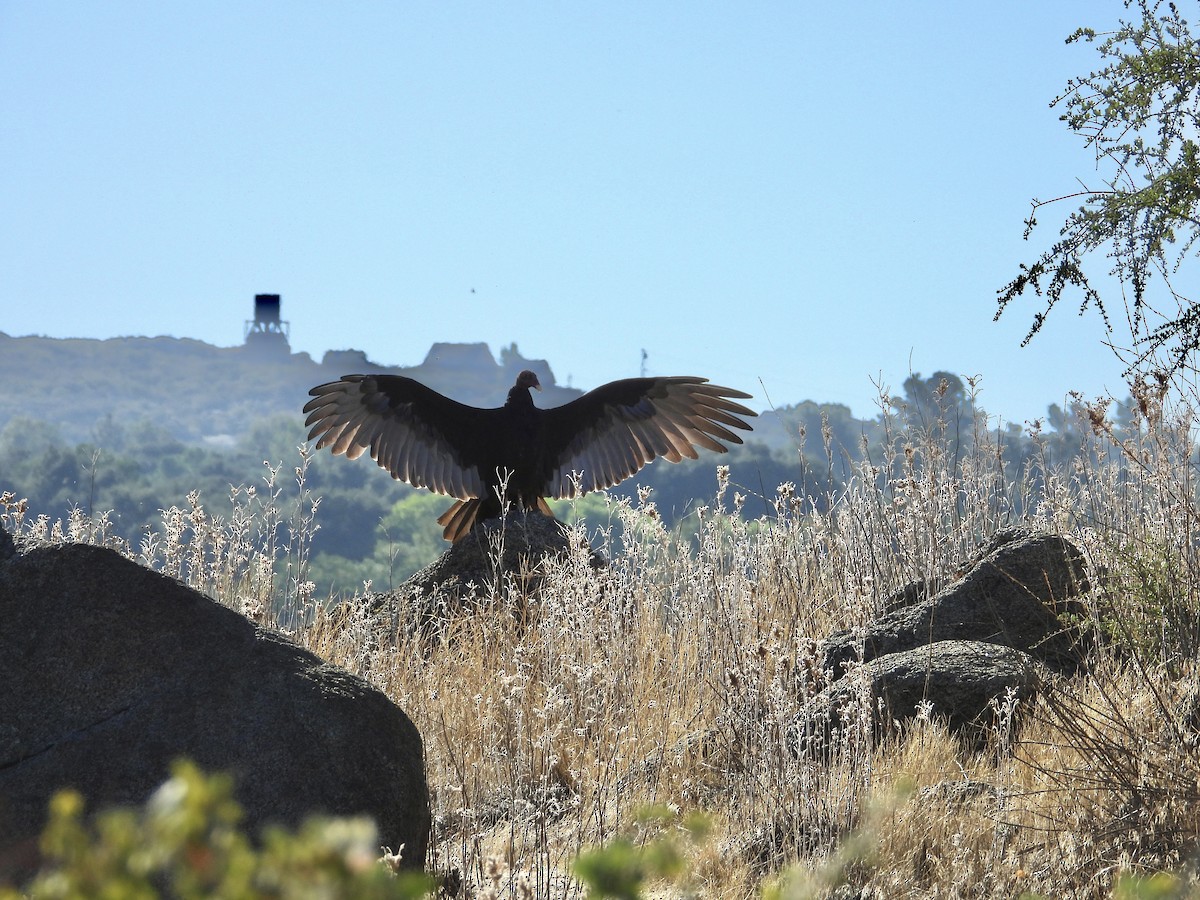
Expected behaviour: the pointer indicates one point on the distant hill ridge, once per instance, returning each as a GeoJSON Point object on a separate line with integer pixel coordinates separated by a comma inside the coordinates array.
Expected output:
{"type": "Point", "coordinates": [204, 394]}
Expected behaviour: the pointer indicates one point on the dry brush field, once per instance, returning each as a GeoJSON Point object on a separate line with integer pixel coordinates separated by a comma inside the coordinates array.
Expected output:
{"type": "Point", "coordinates": [619, 703]}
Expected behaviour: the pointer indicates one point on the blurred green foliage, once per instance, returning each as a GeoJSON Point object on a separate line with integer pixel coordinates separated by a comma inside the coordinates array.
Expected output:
{"type": "Point", "coordinates": [186, 843]}
{"type": "Point", "coordinates": [663, 849]}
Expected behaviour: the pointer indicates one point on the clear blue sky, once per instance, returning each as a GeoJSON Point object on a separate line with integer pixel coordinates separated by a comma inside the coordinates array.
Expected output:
{"type": "Point", "coordinates": [813, 195]}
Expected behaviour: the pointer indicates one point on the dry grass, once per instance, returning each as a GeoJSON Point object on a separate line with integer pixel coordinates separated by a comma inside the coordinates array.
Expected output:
{"type": "Point", "coordinates": [668, 681]}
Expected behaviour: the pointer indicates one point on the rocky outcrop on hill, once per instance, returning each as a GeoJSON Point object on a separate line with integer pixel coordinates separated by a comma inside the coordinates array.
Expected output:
{"type": "Point", "coordinates": [111, 672]}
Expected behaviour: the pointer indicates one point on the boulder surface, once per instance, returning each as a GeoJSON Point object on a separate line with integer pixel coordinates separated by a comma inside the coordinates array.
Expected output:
{"type": "Point", "coordinates": [497, 554]}
{"type": "Point", "coordinates": [111, 672]}
{"type": "Point", "coordinates": [958, 679]}
{"type": "Point", "coordinates": [1023, 593]}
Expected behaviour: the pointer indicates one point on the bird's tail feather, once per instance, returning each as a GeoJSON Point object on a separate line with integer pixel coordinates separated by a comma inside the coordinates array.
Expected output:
{"type": "Point", "coordinates": [460, 518]}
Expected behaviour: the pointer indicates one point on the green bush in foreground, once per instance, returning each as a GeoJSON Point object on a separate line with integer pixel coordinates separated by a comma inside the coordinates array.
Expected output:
{"type": "Point", "coordinates": [621, 868]}
{"type": "Point", "coordinates": [186, 842]}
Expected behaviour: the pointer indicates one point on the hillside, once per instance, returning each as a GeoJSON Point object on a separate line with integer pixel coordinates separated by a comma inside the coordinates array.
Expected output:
{"type": "Point", "coordinates": [129, 427]}
{"type": "Point", "coordinates": [205, 394]}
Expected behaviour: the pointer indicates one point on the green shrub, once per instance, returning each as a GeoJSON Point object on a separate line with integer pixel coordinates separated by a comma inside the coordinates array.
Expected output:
{"type": "Point", "coordinates": [186, 843]}
{"type": "Point", "coordinates": [621, 868]}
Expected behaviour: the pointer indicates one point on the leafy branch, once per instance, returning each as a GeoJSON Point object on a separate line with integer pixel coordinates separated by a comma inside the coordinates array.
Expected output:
{"type": "Point", "coordinates": [1140, 114]}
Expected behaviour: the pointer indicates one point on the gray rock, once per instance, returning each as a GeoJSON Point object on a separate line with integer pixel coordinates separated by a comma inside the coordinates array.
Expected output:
{"type": "Point", "coordinates": [1021, 594]}
{"type": "Point", "coordinates": [958, 678]}
{"type": "Point", "coordinates": [111, 672]}
{"type": "Point", "coordinates": [496, 554]}
{"type": "Point", "coordinates": [7, 548]}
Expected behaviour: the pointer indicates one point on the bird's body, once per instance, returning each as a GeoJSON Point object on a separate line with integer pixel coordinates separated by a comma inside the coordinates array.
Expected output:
{"type": "Point", "coordinates": [518, 453]}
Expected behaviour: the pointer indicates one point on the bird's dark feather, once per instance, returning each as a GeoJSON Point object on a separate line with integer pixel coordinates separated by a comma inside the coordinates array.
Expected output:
{"type": "Point", "coordinates": [526, 453]}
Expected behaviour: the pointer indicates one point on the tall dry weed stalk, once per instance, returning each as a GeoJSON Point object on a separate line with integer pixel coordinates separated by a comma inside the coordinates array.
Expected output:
{"type": "Point", "coordinates": [1110, 772]}
{"type": "Point", "coordinates": [253, 558]}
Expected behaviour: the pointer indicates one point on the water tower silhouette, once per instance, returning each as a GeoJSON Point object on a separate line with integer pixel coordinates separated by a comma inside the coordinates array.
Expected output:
{"type": "Point", "coordinates": [266, 331]}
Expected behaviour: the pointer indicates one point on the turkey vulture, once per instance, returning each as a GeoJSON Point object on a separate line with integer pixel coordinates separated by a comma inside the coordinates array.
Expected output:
{"type": "Point", "coordinates": [518, 453]}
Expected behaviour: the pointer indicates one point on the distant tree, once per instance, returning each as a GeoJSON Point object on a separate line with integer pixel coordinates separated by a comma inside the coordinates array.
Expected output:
{"type": "Point", "coordinates": [1139, 113]}
{"type": "Point", "coordinates": [273, 439]}
{"type": "Point", "coordinates": [817, 422]}
{"type": "Point", "coordinates": [23, 440]}
{"type": "Point", "coordinates": [940, 396]}
{"type": "Point", "coordinates": [753, 471]}
{"type": "Point", "coordinates": [349, 517]}
{"type": "Point", "coordinates": [596, 510]}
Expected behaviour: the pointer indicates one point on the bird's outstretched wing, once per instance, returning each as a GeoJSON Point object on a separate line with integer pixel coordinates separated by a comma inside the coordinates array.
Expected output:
{"type": "Point", "coordinates": [412, 431]}
{"type": "Point", "coordinates": [608, 434]}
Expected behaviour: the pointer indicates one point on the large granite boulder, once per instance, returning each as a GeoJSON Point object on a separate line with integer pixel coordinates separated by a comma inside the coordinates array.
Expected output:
{"type": "Point", "coordinates": [504, 558]}
{"type": "Point", "coordinates": [7, 548]}
{"type": "Point", "coordinates": [1022, 592]}
{"type": "Point", "coordinates": [110, 672]}
{"type": "Point", "coordinates": [965, 683]}
{"type": "Point", "coordinates": [954, 647]}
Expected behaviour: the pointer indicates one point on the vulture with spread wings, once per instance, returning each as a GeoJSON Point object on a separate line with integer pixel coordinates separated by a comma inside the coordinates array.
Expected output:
{"type": "Point", "coordinates": [518, 453]}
